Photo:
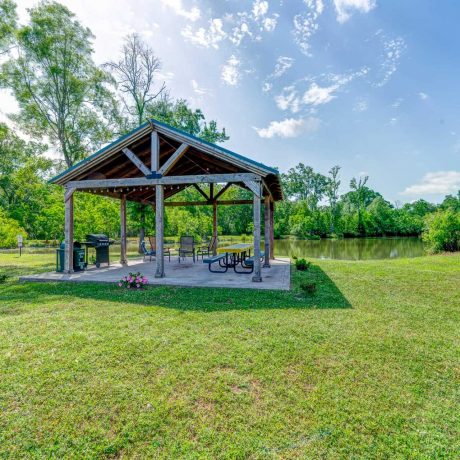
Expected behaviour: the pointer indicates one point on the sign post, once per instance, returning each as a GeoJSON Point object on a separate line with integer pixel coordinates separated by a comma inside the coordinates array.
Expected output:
{"type": "Point", "coordinates": [20, 244]}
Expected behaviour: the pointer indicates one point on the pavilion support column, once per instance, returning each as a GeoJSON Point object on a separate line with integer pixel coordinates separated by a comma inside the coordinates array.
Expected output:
{"type": "Point", "coordinates": [123, 259]}
{"type": "Point", "coordinates": [272, 230]}
{"type": "Point", "coordinates": [159, 231]}
{"type": "Point", "coordinates": [214, 226]}
{"type": "Point", "coordinates": [68, 230]}
{"type": "Point", "coordinates": [257, 277]}
{"type": "Point", "coordinates": [267, 222]}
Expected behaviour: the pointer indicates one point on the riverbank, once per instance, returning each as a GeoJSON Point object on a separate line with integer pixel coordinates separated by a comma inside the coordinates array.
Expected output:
{"type": "Point", "coordinates": [367, 367]}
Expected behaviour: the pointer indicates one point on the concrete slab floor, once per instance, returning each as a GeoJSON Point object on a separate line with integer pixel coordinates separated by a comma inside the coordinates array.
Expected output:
{"type": "Point", "coordinates": [186, 273]}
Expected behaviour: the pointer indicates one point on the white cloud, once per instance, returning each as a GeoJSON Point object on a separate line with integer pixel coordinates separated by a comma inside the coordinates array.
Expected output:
{"type": "Point", "coordinates": [441, 182]}
{"type": "Point", "coordinates": [266, 87]}
{"type": "Point", "coordinates": [259, 8]}
{"type": "Point", "coordinates": [234, 27]}
{"type": "Point", "coordinates": [206, 38]}
{"type": "Point", "coordinates": [393, 49]}
{"type": "Point", "coordinates": [317, 95]}
{"type": "Point", "coordinates": [345, 8]}
{"type": "Point", "coordinates": [197, 89]}
{"type": "Point", "coordinates": [176, 5]}
{"type": "Point", "coordinates": [423, 96]}
{"type": "Point", "coordinates": [396, 104]}
{"type": "Point", "coordinates": [290, 127]}
{"type": "Point", "coordinates": [231, 74]}
{"type": "Point", "coordinates": [288, 99]}
{"type": "Point", "coordinates": [306, 24]}
{"type": "Point", "coordinates": [283, 63]}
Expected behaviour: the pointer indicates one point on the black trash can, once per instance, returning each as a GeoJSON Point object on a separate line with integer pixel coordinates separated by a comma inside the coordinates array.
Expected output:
{"type": "Point", "coordinates": [79, 263]}
{"type": "Point", "coordinates": [60, 258]}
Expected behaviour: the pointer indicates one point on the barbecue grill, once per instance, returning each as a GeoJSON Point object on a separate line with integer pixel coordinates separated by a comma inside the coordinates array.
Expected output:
{"type": "Point", "coordinates": [101, 243]}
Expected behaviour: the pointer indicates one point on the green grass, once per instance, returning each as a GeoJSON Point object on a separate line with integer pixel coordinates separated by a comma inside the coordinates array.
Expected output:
{"type": "Point", "coordinates": [368, 367]}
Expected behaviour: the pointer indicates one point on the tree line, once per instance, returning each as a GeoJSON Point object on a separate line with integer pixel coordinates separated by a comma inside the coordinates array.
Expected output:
{"type": "Point", "coordinates": [72, 106]}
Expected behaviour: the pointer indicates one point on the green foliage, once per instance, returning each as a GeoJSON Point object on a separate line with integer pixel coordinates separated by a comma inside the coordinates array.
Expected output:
{"type": "Point", "coordinates": [9, 230]}
{"type": "Point", "coordinates": [179, 114]}
{"type": "Point", "coordinates": [60, 92]}
{"type": "Point", "coordinates": [443, 231]}
{"type": "Point", "coordinates": [302, 265]}
{"type": "Point", "coordinates": [308, 287]}
{"type": "Point", "coordinates": [8, 19]}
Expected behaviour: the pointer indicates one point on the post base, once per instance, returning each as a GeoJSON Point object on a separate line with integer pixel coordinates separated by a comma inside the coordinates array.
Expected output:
{"type": "Point", "coordinates": [266, 265]}
{"type": "Point", "coordinates": [257, 279]}
{"type": "Point", "coordinates": [159, 275]}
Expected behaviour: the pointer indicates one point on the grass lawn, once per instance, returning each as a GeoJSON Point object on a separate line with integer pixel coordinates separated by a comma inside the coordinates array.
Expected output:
{"type": "Point", "coordinates": [368, 367]}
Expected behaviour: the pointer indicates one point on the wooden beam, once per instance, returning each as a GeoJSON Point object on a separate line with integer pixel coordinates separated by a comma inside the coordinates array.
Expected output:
{"type": "Point", "coordinates": [123, 259]}
{"type": "Point", "coordinates": [222, 190]}
{"type": "Point", "coordinates": [137, 161]}
{"type": "Point", "coordinates": [207, 203]}
{"type": "Point", "coordinates": [203, 193]}
{"type": "Point", "coordinates": [257, 277]}
{"type": "Point", "coordinates": [155, 151]}
{"type": "Point", "coordinates": [173, 159]}
{"type": "Point", "coordinates": [68, 230]}
{"type": "Point", "coordinates": [267, 221]}
{"type": "Point", "coordinates": [159, 231]}
{"type": "Point", "coordinates": [165, 180]}
{"type": "Point", "coordinates": [254, 186]}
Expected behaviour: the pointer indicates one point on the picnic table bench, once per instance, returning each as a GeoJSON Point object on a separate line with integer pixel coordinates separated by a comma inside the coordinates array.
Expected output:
{"type": "Point", "coordinates": [232, 256]}
{"type": "Point", "coordinates": [219, 258]}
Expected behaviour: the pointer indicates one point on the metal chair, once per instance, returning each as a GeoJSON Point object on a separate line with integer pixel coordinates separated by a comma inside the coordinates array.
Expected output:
{"type": "Point", "coordinates": [187, 247]}
{"type": "Point", "coordinates": [153, 246]}
{"type": "Point", "coordinates": [207, 250]}
{"type": "Point", "coordinates": [146, 253]}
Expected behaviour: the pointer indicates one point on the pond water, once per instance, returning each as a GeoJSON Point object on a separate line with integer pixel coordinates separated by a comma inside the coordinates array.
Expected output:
{"type": "Point", "coordinates": [351, 248]}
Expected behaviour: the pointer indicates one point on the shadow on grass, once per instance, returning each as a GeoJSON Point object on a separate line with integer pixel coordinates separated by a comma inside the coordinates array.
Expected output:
{"type": "Point", "coordinates": [327, 296]}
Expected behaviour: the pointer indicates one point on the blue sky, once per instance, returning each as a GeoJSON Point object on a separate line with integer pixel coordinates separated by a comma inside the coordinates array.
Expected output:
{"type": "Point", "coordinates": [370, 85]}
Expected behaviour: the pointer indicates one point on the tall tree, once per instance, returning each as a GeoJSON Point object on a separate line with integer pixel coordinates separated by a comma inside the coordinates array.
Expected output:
{"type": "Point", "coordinates": [332, 193]}
{"type": "Point", "coordinates": [359, 187]}
{"type": "Point", "coordinates": [61, 93]}
{"type": "Point", "coordinates": [136, 74]}
{"type": "Point", "coordinates": [8, 18]}
{"type": "Point", "coordinates": [180, 115]}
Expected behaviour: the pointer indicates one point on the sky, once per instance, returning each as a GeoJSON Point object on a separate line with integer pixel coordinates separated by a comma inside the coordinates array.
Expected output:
{"type": "Point", "coordinates": [370, 85]}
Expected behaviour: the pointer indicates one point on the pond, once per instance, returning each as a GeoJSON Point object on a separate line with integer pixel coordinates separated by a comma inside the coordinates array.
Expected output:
{"type": "Point", "coordinates": [351, 248]}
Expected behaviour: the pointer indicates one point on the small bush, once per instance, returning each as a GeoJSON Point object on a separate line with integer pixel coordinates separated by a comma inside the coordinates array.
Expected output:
{"type": "Point", "coordinates": [3, 278]}
{"type": "Point", "coordinates": [133, 281]}
{"type": "Point", "coordinates": [308, 287]}
{"type": "Point", "coordinates": [302, 265]}
{"type": "Point", "coordinates": [442, 231]}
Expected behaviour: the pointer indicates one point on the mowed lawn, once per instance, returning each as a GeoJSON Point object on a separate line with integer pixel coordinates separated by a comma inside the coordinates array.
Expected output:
{"type": "Point", "coordinates": [368, 367]}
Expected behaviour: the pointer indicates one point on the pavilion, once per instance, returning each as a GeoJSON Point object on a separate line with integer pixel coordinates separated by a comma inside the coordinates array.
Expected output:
{"type": "Point", "coordinates": [153, 163]}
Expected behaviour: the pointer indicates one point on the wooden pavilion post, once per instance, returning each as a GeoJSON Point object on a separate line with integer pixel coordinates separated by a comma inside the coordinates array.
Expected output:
{"type": "Point", "coordinates": [68, 230]}
{"type": "Point", "coordinates": [159, 231]}
{"type": "Point", "coordinates": [267, 222]}
{"type": "Point", "coordinates": [272, 230]}
{"type": "Point", "coordinates": [123, 259]}
{"type": "Point", "coordinates": [214, 226]}
{"type": "Point", "coordinates": [257, 277]}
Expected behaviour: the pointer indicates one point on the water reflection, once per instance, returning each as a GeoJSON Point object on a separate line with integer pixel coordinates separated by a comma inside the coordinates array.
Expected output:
{"type": "Point", "coordinates": [351, 248]}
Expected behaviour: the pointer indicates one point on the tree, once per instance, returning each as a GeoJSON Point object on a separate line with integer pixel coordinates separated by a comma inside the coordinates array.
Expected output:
{"type": "Point", "coordinates": [180, 115]}
{"type": "Point", "coordinates": [358, 186]}
{"type": "Point", "coordinates": [332, 193]}
{"type": "Point", "coordinates": [61, 93]}
{"type": "Point", "coordinates": [136, 74]}
{"type": "Point", "coordinates": [303, 183]}
{"type": "Point", "coordinates": [8, 19]}
{"type": "Point", "coordinates": [442, 231]}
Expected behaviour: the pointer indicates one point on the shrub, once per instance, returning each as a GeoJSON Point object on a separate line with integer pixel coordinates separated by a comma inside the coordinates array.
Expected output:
{"type": "Point", "coordinates": [302, 265]}
{"type": "Point", "coordinates": [308, 287]}
{"type": "Point", "coordinates": [3, 278]}
{"type": "Point", "coordinates": [133, 281]}
{"type": "Point", "coordinates": [9, 230]}
{"type": "Point", "coordinates": [442, 231]}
